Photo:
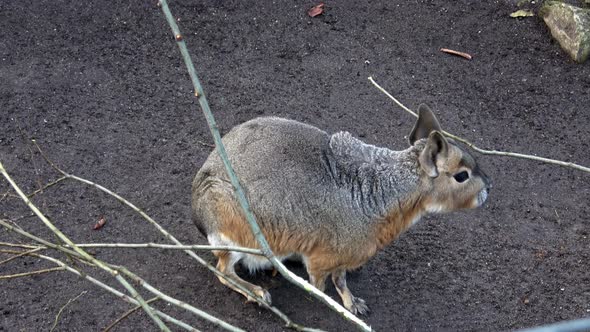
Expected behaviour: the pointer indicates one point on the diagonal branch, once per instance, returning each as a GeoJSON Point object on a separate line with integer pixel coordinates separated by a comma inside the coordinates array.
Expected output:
{"type": "Point", "coordinates": [56, 320]}
{"type": "Point", "coordinates": [168, 246]}
{"type": "Point", "coordinates": [127, 314]}
{"type": "Point", "coordinates": [31, 273]}
{"type": "Point", "coordinates": [483, 151]}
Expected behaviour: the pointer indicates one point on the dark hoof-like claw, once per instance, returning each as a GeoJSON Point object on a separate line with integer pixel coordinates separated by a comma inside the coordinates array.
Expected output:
{"type": "Point", "coordinates": [359, 307]}
{"type": "Point", "coordinates": [263, 293]}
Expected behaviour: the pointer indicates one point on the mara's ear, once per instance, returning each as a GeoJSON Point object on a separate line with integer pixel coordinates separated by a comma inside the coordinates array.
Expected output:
{"type": "Point", "coordinates": [425, 124]}
{"type": "Point", "coordinates": [436, 148]}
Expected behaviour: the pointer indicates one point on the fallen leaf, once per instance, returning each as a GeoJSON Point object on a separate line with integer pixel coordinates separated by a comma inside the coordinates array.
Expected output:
{"type": "Point", "coordinates": [316, 10]}
{"type": "Point", "coordinates": [522, 13]}
{"type": "Point", "coordinates": [99, 223]}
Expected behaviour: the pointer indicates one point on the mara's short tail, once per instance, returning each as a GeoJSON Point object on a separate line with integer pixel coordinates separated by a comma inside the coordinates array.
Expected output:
{"type": "Point", "coordinates": [208, 190]}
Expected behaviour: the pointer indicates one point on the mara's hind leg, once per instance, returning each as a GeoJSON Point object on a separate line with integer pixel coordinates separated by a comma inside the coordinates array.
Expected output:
{"type": "Point", "coordinates": [226, 264]}
{"type": "Point", "coordinates": [356, 305]}
{"type": "Point", "coordinates": [317, 278]}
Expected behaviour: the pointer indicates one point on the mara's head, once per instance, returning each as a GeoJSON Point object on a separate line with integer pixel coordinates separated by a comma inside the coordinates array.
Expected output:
{"type": "Point", "coordinates": [450, 178]}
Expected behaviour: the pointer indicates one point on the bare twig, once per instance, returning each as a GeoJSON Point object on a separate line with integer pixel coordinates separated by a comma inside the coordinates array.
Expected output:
{"type": "Point", "coordinates": [24, 216]}
{"type": "Point", "coordinates": [127, 314]}
{"type": "Point", "coordinates": [19, 245]}
{"type": "Point", "coordinates": [20, 255]}
{"type": "Point", "coordinates": [50, 184]}
{"type": "Point", "coordinates": [169, 246]}
{"type": "Point", "coordinates": [26, 274]}
{"type": "Point", "coordinates": [487, 152]}
{"type": "Point", "coordinates": [64, 306]}
{"type": "Point", "coordinates": [24, 138]}
{"type": "Point", "coordinates": [457, 53]}
{"type": "Point", "coordinates": [6, 194]}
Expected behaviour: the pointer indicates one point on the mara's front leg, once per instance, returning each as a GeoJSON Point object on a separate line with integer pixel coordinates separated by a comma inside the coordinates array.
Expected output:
{"type": "Point", "coordinates": [356, 305]}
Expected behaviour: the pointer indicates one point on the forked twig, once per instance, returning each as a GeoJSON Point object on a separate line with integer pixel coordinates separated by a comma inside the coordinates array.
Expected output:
{"type": "Point", "coordinates": [483, 151]}
{"type": "Point", "coordinates": [127, 314]}
{"type": "Point", "coordinates": [20, 255]}
{"type": "Point", "coordinates": [64, 306]}
{"type": "Point", "coordinates": [50, 184]}
{"type": "Point", "coordinates": [169, 246]}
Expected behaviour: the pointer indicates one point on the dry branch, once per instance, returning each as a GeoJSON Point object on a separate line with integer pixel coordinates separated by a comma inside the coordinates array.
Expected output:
{"type": "Point", "coordinates": [64, 306]}
{"type": "Point", "coordinates": [17, 256]}
{"type": "Point", "coordinates": [50, 184]}
{"type": "Point", "coordinates": [27, 274]}
{"type": "Point", "coordinates": [169, 246]}
{"type": "Point", "coordinates": [19, 245]}
{"type": "Point", "coordinates": [127, 314]}
{"type": "Point", "coordinates": [483, 151]}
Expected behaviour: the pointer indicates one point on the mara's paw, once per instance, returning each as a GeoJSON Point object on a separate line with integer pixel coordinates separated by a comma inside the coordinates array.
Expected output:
{"type": "Point", "coordinates": [358, 306]}
{"type": "Point", "coordinates": [262, 293]}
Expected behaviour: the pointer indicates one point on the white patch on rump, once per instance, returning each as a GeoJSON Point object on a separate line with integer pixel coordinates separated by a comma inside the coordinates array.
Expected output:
{"type": "Point", "coordinates": [253, 263]}
{"type": "Point", "coordinates": [435, 208]}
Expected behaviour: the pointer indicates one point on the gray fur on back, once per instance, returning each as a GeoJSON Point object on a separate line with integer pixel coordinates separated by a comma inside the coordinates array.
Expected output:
{"type": "Point", "coordinates": [299, 178]}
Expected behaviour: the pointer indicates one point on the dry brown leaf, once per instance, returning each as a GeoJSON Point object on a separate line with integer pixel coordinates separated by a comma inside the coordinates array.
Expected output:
{"type": "Point", "coordinates": [316, 10]}
{"type": "Point", "coordinates": [99, 223]}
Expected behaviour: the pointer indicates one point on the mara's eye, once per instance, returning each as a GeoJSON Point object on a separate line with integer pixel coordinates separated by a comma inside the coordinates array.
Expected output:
{"type": "Point", "coordinates": [461, 176]}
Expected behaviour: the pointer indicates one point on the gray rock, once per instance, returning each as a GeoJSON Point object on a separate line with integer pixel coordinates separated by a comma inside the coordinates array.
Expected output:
{"type": "Point", "coordinates": [570, 26]}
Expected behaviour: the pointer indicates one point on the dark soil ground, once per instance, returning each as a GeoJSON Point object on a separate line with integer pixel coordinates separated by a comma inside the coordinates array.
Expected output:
{"type": "Point", "coordinates": [102, 88]}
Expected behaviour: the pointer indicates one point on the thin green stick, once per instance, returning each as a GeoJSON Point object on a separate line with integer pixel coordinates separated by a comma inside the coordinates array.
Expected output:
{"type": "Point", "coordinates": [169, 246]}
{"type": "Point", "coordinates": [56, 320]}
{"type": "Point", "coordinates": [127, 314]}
{"type": "Point", "coordinates": [27, 274]}
{"type": "Point", "coordinates": [483, 151]}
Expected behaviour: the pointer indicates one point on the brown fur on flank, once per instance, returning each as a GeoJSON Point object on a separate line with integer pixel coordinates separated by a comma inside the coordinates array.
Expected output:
{"type": "Point", "coordinates": [331, 200]}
